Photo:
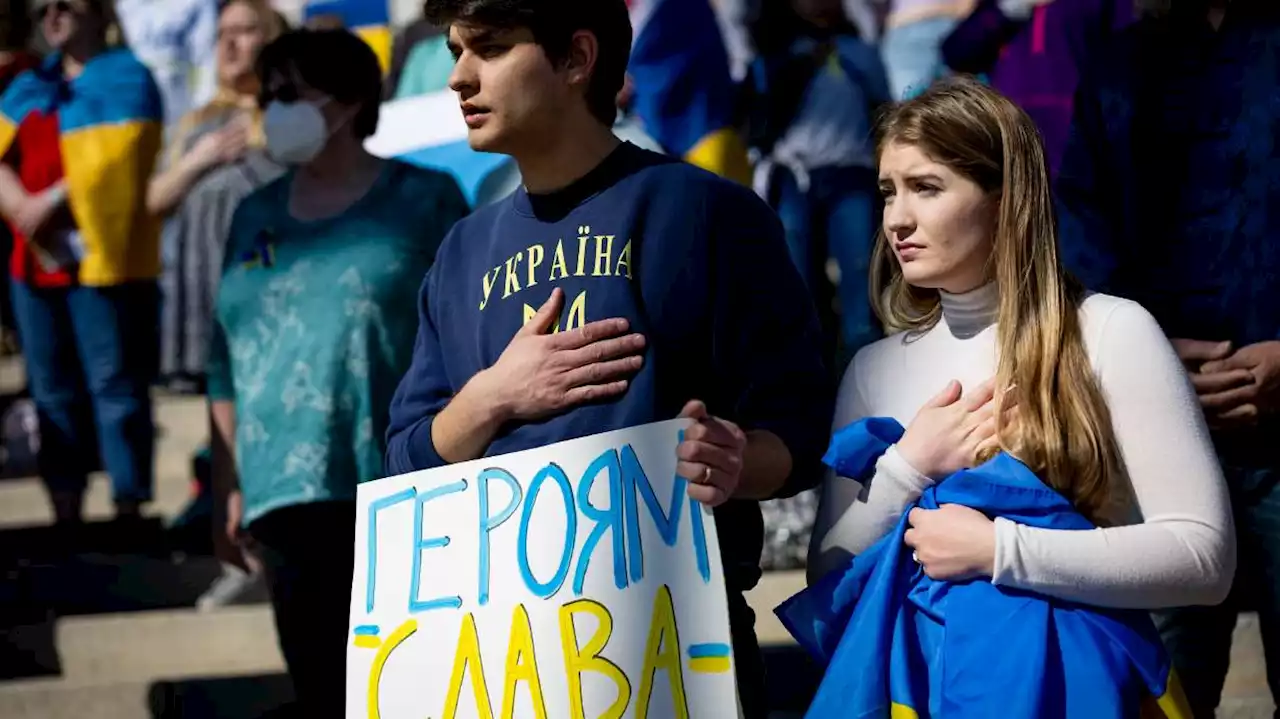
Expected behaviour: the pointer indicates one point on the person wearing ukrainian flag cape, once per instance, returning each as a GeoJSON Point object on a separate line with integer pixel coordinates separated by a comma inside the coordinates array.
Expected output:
{"type": "Point", "coordinates": [80, 135]}
{"type": "Point", "coordinates": [1015, 386]}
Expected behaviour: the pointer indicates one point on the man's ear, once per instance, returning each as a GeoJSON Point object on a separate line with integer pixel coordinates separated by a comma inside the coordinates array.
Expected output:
{"type": "Point", "coordinates": [580, 62]}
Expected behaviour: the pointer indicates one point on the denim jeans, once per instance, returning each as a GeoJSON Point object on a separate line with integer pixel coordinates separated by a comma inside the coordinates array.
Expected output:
{"type": "Point", "coordinates": [912, 55]}
{"type": "Point", "coordinates": [90, 356]}
{"type": "Point", "coordinates": [1199, 638]}
{"type": "Point", "coordinates": [836, 217]}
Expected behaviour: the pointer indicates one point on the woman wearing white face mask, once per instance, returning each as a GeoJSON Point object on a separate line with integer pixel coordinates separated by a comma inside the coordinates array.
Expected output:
{"type": "Point", "coordinates": [998, 349]}
{"type": "Point", "coordinates": [315, 321]}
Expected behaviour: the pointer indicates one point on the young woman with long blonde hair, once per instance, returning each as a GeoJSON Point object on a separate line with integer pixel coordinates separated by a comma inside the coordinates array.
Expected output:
{"type": "Point", "coordinates": [996, 348]}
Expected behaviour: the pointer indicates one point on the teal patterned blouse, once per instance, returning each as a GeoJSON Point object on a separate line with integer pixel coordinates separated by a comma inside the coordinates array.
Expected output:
{"type": "Point", "coordinates": [314, 327]}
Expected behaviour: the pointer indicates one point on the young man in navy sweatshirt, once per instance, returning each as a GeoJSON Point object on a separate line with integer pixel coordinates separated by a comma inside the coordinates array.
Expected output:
{"type": "Point", "coordinates": [617, 287]}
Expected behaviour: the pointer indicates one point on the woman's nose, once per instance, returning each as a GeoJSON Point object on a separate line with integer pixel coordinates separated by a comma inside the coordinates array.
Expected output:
{"type": "Point", "coordinates": [898, 219]}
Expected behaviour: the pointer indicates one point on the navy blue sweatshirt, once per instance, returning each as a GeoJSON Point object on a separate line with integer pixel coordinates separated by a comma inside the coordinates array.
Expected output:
{"type": "Point", "coordinates": [697, 264]}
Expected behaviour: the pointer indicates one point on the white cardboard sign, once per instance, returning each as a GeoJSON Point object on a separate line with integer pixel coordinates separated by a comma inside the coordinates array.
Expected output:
{"type": "Point", "coordinates": [572, 581]}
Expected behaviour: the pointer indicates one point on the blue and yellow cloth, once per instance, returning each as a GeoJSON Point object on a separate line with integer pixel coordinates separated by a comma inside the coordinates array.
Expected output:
{"type": "Point", "coordinates": [684, 91]}
{"type": "Point", "coordinates": [896, 643]}
{"type": "Point", "coordinates": [369, 19]}
{"type": "Point", "coordinates": [110, 128]}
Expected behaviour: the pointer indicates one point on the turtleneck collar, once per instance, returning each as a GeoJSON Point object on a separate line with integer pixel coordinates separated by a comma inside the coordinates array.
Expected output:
{"type": "Point", "coordinates": [970, 312]}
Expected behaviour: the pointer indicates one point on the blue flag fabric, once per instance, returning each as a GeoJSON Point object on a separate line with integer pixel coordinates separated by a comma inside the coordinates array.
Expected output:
{"type": "Point", "coordinates": [898, 644]}
{"type": "Point", "coordinates": [684, 90]}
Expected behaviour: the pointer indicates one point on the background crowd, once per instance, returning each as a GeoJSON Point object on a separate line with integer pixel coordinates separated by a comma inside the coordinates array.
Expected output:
{"type": "Point", "coordinates": [1161, 121]}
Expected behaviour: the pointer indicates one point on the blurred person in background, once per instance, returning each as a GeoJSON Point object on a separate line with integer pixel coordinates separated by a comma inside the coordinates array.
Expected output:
{"type": "Point", "coordinates": [15, 58]}
{"type": "Point", "coordinates": [80, 136]}
{"type": "Point", "coordinates": [176, 40]}
{"type": "Point", "coordinates": [315, 323]}
{"type": "Point", "coordinates": [215, 158]}
{"type": "Point", "coordinates": [420, 61]}
{"type": "Point", "coordinates": [911, 44]}
{"type": "Point", "coordinates": [225, 133]}
{"type": "Point", "coordinates": [1033, 52]}
{"type": "Point", "coordinates": [1166, 195]}
{"type": "Point", "coordinates": [812, 93]}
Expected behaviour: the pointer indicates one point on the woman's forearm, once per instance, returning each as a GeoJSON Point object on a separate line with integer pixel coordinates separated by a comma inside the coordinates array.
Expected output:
{"type": "Point", "coordinates": [12, 193]}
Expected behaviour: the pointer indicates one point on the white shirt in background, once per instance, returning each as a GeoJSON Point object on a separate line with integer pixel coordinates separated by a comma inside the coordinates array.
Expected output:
{"type": "Point", "coordinates": [177, 40]}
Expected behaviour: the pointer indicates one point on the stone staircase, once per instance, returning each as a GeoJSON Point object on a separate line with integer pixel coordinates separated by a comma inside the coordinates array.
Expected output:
{"type": "Point", "coordinates": [111, 632]}
{"type": "Point", "coordinates": [106, 628]}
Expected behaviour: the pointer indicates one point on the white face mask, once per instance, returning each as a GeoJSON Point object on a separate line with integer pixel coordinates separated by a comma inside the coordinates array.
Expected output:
{"type": "Point", "coordinates": [296, 131]}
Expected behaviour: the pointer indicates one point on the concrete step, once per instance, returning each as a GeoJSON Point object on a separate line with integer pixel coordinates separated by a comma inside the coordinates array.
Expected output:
{"type": "Point", "coordinates": [145, 665]}
{"type": "Point", "coordinates": [145, 646]}
{"type": "Point", "coordinates": [183, 426]}
{"type": "Point", "coordinates": [229, 697]}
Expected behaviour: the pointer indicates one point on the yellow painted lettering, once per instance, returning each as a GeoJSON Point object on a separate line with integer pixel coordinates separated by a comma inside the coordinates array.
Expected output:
{"type": "Point", "coordinates": [489, 280]}
{"type": "Point", "coordinates": [577, 313]}
{"type": "Point", "coordinates": [604, 253]}
{"type": "Point", "coordinates": [535, 259]}
{"type": "Point", "coordinates": [522, 666]}
{"type": "Point", "coordinates": [380, 661]}
{"type": "Point", "coordinates": [624, 260]}
{"type": "Point", "coordinates": [582, 249]}
{"type": "Point", "coordinates": [558, 263]}
{"type": "Point", "coordinates": [513, 266]}
{"type": "Point", "coordinates": [587, 658]}
{"type": "Point", "coordinates": [468, 654]}
{"type": "Point", "coordinates": [662, 652]}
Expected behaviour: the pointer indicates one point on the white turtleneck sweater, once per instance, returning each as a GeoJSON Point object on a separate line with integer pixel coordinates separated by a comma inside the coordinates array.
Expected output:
{"type": "Point", "coordinates": [1182, 550]}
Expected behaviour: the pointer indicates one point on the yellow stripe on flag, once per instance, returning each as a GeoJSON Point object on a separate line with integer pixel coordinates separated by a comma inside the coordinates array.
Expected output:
{"type": "Point", "coordinates": [723, 153]}
{"type": "Point", "coordinates": [107, 190]}
{"type": "Point", "coordinates": [1172, 704]}
{"type": "Point", "coordinates": [379, 38]}
{"type": "Point", "coordinates": [902, 711]}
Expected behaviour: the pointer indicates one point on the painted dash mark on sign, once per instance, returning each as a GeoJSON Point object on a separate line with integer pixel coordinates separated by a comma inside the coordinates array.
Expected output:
{"type": "Point", "coordinates": [709, 658]}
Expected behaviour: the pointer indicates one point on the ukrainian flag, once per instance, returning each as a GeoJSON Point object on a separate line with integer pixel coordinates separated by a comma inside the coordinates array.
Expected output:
{"type": "Point", "coordinates": [684, 91]}
{"type": "Point", "coordinates": [898, 644]}
{"type": "Point", "coordinates": [110, 127]}
{"type": "Point", "coordinates": [370, 19]}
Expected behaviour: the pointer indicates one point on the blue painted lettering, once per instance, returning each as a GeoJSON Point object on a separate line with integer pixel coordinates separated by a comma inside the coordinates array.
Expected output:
{"type": "Point", "coordinates": [371, 565]}
{"type": "Point", "coordinates": [637, 482]}
{"type": "Point", "coordinates": [547, 589]}
{"type": "Point", "coordinates": [421, 544]}
{"type": "Point", "coordinates": [607, 519]}
{"type": "Point", "coordinates": [489, 523]}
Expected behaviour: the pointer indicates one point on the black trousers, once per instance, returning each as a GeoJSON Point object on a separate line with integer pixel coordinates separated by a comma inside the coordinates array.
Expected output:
{"type": "Point", "coordinates": [308, 554]}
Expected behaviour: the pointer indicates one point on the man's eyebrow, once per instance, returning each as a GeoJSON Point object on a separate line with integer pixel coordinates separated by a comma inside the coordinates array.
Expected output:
{"type": "Point", "coordinates": [473, 36]}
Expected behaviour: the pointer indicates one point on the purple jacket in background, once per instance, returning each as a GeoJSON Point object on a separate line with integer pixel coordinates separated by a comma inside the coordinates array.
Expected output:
{"type": "Point", "coordinates": [1037, 62]}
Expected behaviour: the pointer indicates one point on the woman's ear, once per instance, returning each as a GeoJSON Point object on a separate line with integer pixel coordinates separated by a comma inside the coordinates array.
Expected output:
{"type": "Point", "coordinates": [580, 63]}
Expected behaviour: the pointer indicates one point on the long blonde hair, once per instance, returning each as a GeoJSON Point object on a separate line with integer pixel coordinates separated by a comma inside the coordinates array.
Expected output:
{"type": "Point", "coordinates": [1063, 430]}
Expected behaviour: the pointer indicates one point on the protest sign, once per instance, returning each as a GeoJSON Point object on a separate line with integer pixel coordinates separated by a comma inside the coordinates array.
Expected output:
{"type": "Point", "coordinates": [572, 581]}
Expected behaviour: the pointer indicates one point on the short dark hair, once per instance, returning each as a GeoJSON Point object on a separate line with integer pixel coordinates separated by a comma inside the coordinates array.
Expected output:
{"type": "Point", "coordinates": [553, 23]}
{"type": "Point", "coordinates": [335, 62]}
